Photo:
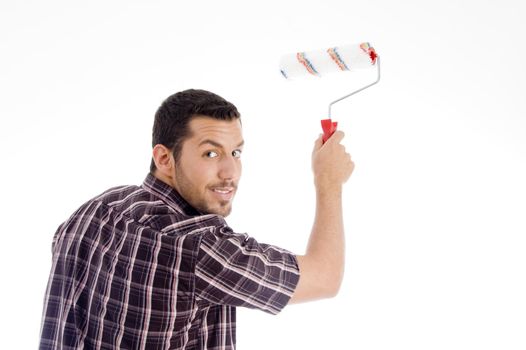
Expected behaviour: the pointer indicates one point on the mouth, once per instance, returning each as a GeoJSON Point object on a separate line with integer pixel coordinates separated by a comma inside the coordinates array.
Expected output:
{"type": "Point", "coordinates": [223, 193]}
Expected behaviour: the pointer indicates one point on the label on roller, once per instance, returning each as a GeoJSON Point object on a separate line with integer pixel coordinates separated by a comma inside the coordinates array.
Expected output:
{"type": "Point", "coordinates": [331, 60]}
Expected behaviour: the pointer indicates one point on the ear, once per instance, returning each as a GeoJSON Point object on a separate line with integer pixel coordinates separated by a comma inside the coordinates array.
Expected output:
{"type": "Point", "coordinates": [164, 161]}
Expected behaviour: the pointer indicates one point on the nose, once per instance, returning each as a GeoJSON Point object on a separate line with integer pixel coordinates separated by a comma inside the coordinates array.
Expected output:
{"type": "Point", "coordinates": [229, 169]}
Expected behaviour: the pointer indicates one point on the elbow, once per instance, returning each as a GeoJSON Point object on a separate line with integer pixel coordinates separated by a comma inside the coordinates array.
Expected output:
{"type": "Point", "coordinates": [333, 285]}
{"type": "Point", "coordinates": [317, 280]}
{"type": "Point", "coordinates": [332, 278]}
{"type": "Point", "coordinates": [333, 290]}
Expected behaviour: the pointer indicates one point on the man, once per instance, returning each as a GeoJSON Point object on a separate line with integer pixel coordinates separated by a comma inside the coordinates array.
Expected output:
{"type": "Point", "coordinates": [156, 266]}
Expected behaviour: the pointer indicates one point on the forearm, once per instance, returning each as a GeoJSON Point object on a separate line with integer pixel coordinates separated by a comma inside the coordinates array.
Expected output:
{"type": "Point", "coordinates": [322, 266]}
{"type": "Point", "coordinates": [326, 247]}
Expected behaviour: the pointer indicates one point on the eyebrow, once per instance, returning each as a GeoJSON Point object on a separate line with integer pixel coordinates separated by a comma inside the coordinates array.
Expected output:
{"type": "Point", "coordinates": [217, 144]}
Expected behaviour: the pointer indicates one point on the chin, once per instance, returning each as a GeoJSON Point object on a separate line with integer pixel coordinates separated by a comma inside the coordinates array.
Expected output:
{"type": "Point", "coordinates": [223, 213]}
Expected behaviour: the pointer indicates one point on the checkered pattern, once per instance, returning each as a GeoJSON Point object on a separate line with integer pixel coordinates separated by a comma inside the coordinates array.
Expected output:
{"type": "Point", "coordinates": [139, 268]}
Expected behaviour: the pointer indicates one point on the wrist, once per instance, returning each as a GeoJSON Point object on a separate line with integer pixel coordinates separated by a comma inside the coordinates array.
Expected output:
{"type": "Point", "coordinates": [329, 189]}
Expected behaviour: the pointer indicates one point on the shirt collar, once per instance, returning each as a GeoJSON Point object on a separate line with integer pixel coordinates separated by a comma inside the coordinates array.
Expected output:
{"type": "Point", "coordinates": [168, 194]}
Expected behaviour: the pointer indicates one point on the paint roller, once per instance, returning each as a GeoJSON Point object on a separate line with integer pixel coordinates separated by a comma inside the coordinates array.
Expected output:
{"type": "Point", "coordinates": [335, 59]}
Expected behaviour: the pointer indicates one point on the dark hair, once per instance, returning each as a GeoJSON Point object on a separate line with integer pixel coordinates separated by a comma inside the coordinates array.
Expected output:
{"type": "Point", "coordinates": [170, 127]}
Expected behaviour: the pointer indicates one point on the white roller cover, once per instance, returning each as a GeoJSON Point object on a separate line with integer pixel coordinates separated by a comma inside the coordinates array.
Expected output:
{"type": "Point", "coordinates": [322, 62]}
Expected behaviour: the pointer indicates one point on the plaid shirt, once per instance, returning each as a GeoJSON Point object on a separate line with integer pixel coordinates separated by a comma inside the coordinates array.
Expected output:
{"type": "Point", "coordinates": [139, 268]}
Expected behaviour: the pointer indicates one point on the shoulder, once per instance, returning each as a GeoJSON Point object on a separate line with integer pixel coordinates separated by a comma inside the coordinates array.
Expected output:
{"type": "Point", "coordinates": [147, 209]}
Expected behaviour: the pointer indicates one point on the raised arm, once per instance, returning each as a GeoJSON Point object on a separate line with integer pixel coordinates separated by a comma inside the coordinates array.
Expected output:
{"type": "Point", "coordinates": [322, 266]}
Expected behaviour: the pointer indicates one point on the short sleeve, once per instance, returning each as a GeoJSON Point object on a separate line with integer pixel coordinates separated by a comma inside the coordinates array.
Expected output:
{"type": "Point", "coordinates": [234, 269]}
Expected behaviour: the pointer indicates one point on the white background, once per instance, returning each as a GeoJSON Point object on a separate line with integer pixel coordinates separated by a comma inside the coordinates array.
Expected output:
{"type": "Point", "coordinates": [434, 212]}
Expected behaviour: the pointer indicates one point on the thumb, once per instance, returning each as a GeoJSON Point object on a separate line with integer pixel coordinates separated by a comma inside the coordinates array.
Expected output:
{"type": "Point", "coordinates": [318, 143]}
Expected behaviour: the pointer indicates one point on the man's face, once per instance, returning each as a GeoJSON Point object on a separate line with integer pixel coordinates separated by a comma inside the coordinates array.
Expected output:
{"type": "Point", "coordinates": [209, 167]}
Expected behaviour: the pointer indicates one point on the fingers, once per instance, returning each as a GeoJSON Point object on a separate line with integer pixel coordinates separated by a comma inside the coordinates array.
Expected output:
{"type": "Point", "coordinates": [337, 137]}
{"type": "Point", "coordinates": [331, 163]}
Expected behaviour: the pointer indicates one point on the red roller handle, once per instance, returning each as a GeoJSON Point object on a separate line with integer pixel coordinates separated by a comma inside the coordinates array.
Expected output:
{"type": "Point", "coordinates": [329, 127]}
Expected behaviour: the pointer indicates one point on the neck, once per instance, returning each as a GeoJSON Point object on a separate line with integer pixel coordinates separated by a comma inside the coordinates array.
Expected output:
{"type": "Point", "coordinates": [164, 178]}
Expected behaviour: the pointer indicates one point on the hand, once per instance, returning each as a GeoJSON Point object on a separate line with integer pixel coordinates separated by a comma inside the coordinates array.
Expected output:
{"type": "Point", "coordinates": [332, 166]}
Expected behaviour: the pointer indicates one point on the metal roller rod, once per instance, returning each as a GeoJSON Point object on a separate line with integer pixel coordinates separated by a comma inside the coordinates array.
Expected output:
{"type": "Point", "coordinates": [357, 91]}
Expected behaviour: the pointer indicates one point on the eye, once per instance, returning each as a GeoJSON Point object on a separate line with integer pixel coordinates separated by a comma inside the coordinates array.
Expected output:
{"type": "Point", "coordinates": [211, 154]}
{"type": "Point", "coordinates": [236, 153]}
